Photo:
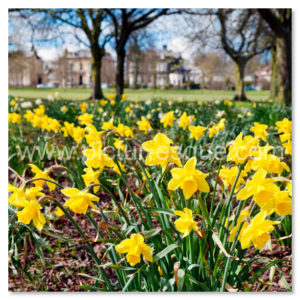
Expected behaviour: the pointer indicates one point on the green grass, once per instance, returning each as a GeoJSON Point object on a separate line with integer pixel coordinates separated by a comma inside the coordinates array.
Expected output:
{"type": "Point", "coordinates": [141, 94]}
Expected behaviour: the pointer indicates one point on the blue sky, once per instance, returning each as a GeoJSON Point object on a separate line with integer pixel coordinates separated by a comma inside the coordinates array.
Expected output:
{"type": "Point", "coordinates": [170, 31]}
{"type": "Point", "coordinates": [164, 32]}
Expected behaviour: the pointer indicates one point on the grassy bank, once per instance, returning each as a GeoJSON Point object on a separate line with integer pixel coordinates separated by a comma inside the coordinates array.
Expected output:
{"type": "Point", "coordinates": [141, 94]}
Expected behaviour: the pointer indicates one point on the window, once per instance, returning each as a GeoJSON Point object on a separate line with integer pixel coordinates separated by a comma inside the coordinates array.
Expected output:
{"type": "Point", "coordinates": [71, 67]}
{"type": "Point", "coordinates": [80, 67]}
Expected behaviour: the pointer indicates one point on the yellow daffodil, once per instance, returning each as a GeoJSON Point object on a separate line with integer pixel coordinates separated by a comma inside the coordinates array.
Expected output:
{"type": "Point", "coordinates": [144, 177]}
{"type": "Point", "coordinates": [168, 119]}
{"type": "Point", "coordinates": [40, 111]}
{"type": "Point", "coordinates": [144, 125]}
{"type": "Point", "coordinates": [117, 170]}
{"type": "Point", "coordinates": [59, 212]}
{"type": "Point", "coordinates": [241, 149]}
{"type": "Point", "coordinates": [184, 121]}
{"type": "Point", "coordinates": [213, 131]}
{"type": "Point", "coordinates": [14, 118]}
{"type": "Point", "coordinates": [124, 130]}
{"type": "Point", "coordinates": [228, 176]}
{"type": "Point", "coordinates": [269, 163]}
{"type": "Point", "coordinates": [287, 147]}
{"type": "Point", "coordinates": [127, 109]}
{"type": "Point", "coordinates": [85, 119]}
{"type": "Point", "coordinates": [285, 129]}
{"type": "Point", "coordinates": [216, 128]}
{"type": "Point", "coordinates": [29, 115]}
{"type": "Point", "coordinates": [91, 176]}
{"type": "Point", "coordinates": [111, 96]}
{"type": "Point", "coordinates": [119, 144]}
{"type": "Point", "coordinates": [160, 271]}
{"type": "Point", "coordinates": [31, 207]}
{"type": "Point", "coordinates": [242, 218]}
{"type": "Point", "coordinates": [189, 179]}
{"type": "Point", "coordinates": [196, 132]}
{"type": "Point", "coordinates": [260, 187]}
{"type": "Point", "coordinates": [64, 109]}
{"type": "Point", "coordinates": [161, 152]}
{"type": "Point", "coordinates": [68, 129]}
{"type": "Point", "coordinates": [96, 158]}
{"type": "Point", "coordinates": [42, 174]}
{"type": "Point", "coordinates": [260, 131]}
{"type": "Point", "coordinates": [83, 107]}
{"type": "Point", "coordinates": [79, 201]}
{"type": "Point", "coordinates": [107, 125]}
{"type": "Point", "coordinates": [20, 194]}
{"type": "Point", "coordinates": [102, 102]}
{"type": "Point", "coordinates": [185, 224]}
{"type": "Point", "coordinates": [283, 203]}
{"type": "Point", "coordinates": [134, 247]}
{"type": "Point", "coordinates": [257, 232]}
{"type": "Point", "coordinates": [78, 134]}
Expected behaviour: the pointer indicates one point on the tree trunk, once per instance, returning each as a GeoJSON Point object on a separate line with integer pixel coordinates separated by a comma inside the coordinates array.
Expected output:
{"type": "Point", "coordinates": [239, 85]}
{"type": "Point", "coordinates": [274, 79]}
{"type": "Point", "coordinates": [284, 63]}
{"type": "Point", "coordinates": [96, 76]}
{"type": "Point", "coordinates": [136, 74]}
{"type": "Point", "coordinates": [120, 72]}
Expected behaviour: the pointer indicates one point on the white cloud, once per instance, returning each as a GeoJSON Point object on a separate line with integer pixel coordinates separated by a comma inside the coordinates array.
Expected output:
{"type": "Point", "coordinates": [48, 54]}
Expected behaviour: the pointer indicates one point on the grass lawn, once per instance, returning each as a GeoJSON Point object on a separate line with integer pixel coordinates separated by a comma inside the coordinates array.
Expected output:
{"type": "Point", "coordinates": [141, 94]}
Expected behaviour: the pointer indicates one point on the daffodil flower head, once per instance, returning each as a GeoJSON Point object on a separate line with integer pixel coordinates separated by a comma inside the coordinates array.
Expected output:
{"type": "Point", "coordinates": [284, 126]}
{"type": "Point", "coordinates": [168, 119]}
{"type": "Point", "coordinates": [90, 177]}
{"type": "Point", "coordinates": [185, 224]}
{"type": "Point", "coordinates": [85, 119]}
{"type": "Point", "coordinates": [96, 158]}
{"type": "Point", "coordinates": [260, 187]}
{"type": "Point", "coordinates": [42, 174]}
{"type": "Point", "coordinates": [135, 247]}
{"type": "Point", "coordinates": [144, 125]}
{"type": "Point", "coordinates": [258, 231]}
{"type": "Point", "coordinates": [27, 198]}
{"type": "Point", "coordinates": [242, 148]}
{"type": "Point", "coordinates": [189, 179]}
{"type": "Point", "coordinates": [119, 144]}
{"type": "Point", "coordinates": [184, 121]}
{"type": "Point", "coordinates": [241, 219]}
{"type": "Point", "coordinates": [161, 152]}
{"type": "Point", "coordinates": [196, 132]}
{"type": "Point", "coordinates": [79, 200]}
{"type": "Point", "coordinates": [228, 176]}
{"type": "Point", "coordinates": [108, 125]}
{"type": "Point", "coordinates": [260, 131]}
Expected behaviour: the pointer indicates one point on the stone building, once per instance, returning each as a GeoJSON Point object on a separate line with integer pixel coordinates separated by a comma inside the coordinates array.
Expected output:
{"type": "Point", "coordinates": [73, 69]}
{"type": "Point", "coordinates": [25, 69]}
{"type": "Point", "coordinates": [158, 68]}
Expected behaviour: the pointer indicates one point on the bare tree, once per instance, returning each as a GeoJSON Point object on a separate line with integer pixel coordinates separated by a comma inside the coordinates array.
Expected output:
{"type": "Point", "coordinates": [280, 22]}
{"type": "Point", "coordinates": [125, 22]}
{"type": "Point", "coordinates": [212, 64]}
{"type": "Point", "coordinates": [16, 67]}
{"type": "Point", "coordinates": [242, 37]}
{"type": "Point", "coordinates": [89, 22]}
